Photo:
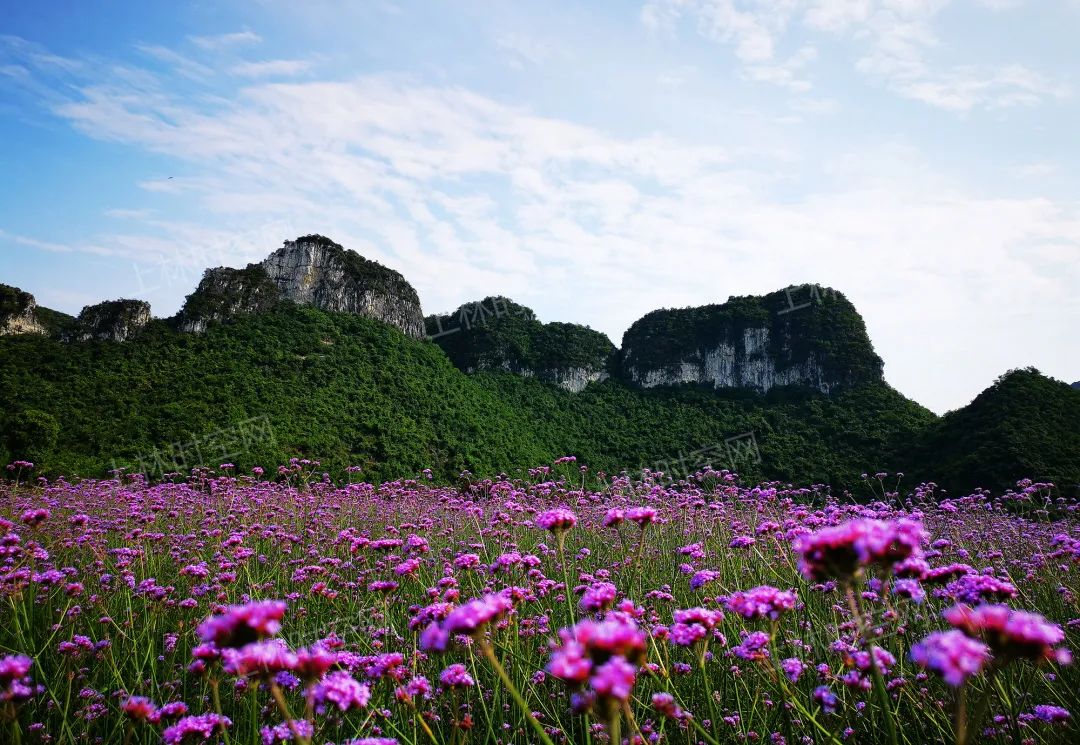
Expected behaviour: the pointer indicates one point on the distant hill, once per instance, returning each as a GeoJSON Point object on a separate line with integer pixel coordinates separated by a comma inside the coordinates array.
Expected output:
{"type": "Point", "coordinates": [352, 390]}
{"type": "Point", "coordinates": [317, 352]}
{"type": "Point", "coordinates": [1024, 425]}
{"type": "Point", "coordinates": [496, 334]}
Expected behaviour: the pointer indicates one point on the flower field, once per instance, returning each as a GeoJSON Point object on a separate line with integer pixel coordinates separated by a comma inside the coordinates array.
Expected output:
{"type": "Point", "coordinates": [246, 609]}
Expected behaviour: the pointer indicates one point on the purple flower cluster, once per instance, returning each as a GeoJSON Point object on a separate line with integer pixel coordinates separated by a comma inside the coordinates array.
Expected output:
{"type": "Point", "coordinates": [238, 625]}
{"type": "Point", "coordinates": [605, 654]}
{"type": "Point", "coordinates": [760, 602]}
{"type": "Point", "coordinates": [339, 690]}
{"type": "Point", "coordinates": [842, 550]}
{"type": "Point", "coordinates": [200, 727]}
{"type": "Point", "coordinates": [1011, 633]}
{"type": "Point", "coordinates": [952, 654]}
{"type": "Point", "coordinates": [472, 617]}
{"type": "Point", "coordinates": [15, 682]}
{"type": "Point", "coordinates": [558, 520]}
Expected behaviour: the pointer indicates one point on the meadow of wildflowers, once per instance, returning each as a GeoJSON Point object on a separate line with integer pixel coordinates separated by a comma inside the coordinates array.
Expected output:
{"type": "Point", "coordinates": [564, 607]}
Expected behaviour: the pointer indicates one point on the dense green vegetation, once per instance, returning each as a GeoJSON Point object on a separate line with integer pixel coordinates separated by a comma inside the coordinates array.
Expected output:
{"type": "Point", "coordinates": [799, 319]}
{"type": "Point", "coordinates": [1024, 426]}
{"type": "Point", "coordinates": [221, 291]}
{"type": "Point", "coordinates": [353, 391]}
{"type": "Point", "coordinates": [496, 332]}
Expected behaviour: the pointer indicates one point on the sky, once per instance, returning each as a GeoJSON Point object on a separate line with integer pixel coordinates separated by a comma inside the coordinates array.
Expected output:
{"type": "Point", "coordinates": [593, 161]}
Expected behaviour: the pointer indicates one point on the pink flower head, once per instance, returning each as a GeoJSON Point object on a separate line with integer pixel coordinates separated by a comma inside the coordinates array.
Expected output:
{"type": "Point", "coordinates": [889, 543]}
{"type": "Point", "coordinates": [643, 516]}
{"type": "Point", "coordinates": [15, 683]}
{"type": "Point", "coordinates": [686, 634]}
{"type": "Point", "coordinates": [471, 618]}
{"type": "Point", "coordinates": [407, 567]}
{"type": "Point", "coordinates": [754, 646]}
{"type": "Point", "coordinates": [760, 602]}
{"type": "Point", "coordinates": [261, 659]}
{"type": "Point", "coordinates": [599, 597]}
{"type": "Point", "coordinates": [1051, 714]}
{"type": "Point", "coordinates": [614, 679]}
{"type": "Point", "coordinates": [615, 635]}
{"type": "Point", "coordinates": [842, 550]}
{"type": "Point", "coordinates": [456, 676]}
{"type": "Point", "coordinates": [614, 517]}
{"type": "Point", "coordinates": [665, 706]}
{"type": "Point", "coordinates": [703, 577]}
{"type": "Point", "coordinates": [138, 708]}
{"type": "Point", "coordinates": [341, 690]}
{"type": "Point", "coordinates": [314, 662]}
{"type": "Point", "coordinates": [1011, 633]}
{"type": "Point", "coordinates": [570, 663]}
{"type": "Point", "coordinates": [700, 616]}
{"type": "Point", "coordinates": [558, 520]}
{"type": "Point", "coordinates": [940, 575]}
{"type": "Point", "coordinates": [979, 588]}
{"type": "Point", "coordinates": [952, 654]}
{"type": "Point", "coordinates": [195, 728]}
{"type": "Point", "coordinates": [242, 624]}
{"type": "Point", "coordinates": [793, 668]}
{"type": "Point", "coordinates": [434, 638]}
{"type": "Point", "coordinates": [33, 518]}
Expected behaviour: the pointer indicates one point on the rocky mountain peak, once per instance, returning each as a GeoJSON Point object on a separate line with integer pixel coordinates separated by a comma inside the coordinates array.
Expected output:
{"type": "Point", "coordinates": [497, 334]}
{"type": "Point", "coordinates": [807, 336]}
{"type": "Point", "coordinates": [312, 270]}
{"type": "Point", "coordinates": [113, 320]}
{"type": "Point", "coordinates": [18, 312]}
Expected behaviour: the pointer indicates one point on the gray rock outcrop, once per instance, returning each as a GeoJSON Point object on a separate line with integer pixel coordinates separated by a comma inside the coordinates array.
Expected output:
{"type": "Point", "coordinates": [113, 320]}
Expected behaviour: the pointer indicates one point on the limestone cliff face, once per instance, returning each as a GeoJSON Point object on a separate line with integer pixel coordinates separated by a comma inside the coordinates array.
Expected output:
{"type": "Point", "coordinates": [316, 271]}
{"type": "Point", "coordinates": [18, 312]}
{"type": "Point", "coordinates": [497, 334]}
{"type": "Point", "coordinates": [225, 293]}
{"type": "Point", "coordinates": [312, 270]}
{"type": "Point", "coordinates": [805, 336]}
{"type": "Point", "coordinates": [113, 320]}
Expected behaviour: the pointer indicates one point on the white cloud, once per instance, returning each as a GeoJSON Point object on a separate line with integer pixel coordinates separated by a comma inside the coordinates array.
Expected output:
{"type": "Point", "coordinates": [1036, 170]}
{"type": "Point", "coordinates": [271, 68]}
{"type": "Point", "coordinates": [787, 73]}
{"type": "Point", "coordinates": [897, 39]}
{"type": "Point", "coordinates": [184, 65]}
{"type": "Point", "coordinates": [467, 195]}
{"type": "Point", "coordinates": [224, 41]}
{"type": "Point", "coordinates": [524, 49]}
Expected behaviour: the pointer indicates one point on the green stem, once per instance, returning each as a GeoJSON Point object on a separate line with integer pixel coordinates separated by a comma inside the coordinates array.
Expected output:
{"type": "Point", "coordinates": [960, 718]}
{"type": "Point", "coordinates": [217, 703]}
{"type": "Point", "coordinates": [984, 703]}
{"type": "Point", "coordinates": [279, 699]}
{"type": "Point", "coordinates": [489, 653]}
{"type": "Point", "coordinates": [566, 579]}
{"type": "Point", "coordinates": [875, 669]}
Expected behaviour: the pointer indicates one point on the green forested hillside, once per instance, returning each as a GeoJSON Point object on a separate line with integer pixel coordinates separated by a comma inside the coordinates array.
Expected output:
{"type": "Point", "coordinates": [1024, 426]}
{"type": "Point", "coordinates": [353, 391]}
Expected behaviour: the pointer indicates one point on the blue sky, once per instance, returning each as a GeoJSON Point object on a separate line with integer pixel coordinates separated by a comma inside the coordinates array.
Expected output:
{"type": "Point", "coordinates": [593, 161]}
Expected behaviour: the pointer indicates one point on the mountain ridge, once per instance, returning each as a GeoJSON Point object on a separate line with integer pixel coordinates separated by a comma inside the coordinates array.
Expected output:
{"type": "Point", "coordinates": [793, 373]}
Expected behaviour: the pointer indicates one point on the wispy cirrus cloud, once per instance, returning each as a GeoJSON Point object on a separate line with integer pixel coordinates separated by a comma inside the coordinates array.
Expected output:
{"type": "Point", "coordinates": [225, 41]}
{"type": "Point", "coordinates": [277, 68]}
{"type": "Point", "coordinates": [891, 42]}
{"type": "Point", "coordinates": [441, 181]}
